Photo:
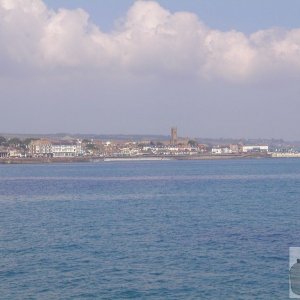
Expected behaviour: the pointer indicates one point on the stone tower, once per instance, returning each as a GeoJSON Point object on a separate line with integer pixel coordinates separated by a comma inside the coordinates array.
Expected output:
{"type": "Point", "coordinates": [173, 136]}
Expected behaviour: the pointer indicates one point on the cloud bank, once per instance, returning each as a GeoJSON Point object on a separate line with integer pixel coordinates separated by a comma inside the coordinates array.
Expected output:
{"type": "Point", "coordinates": [150, 40]}
{"type": "Point", "coordinates": [156, 69]}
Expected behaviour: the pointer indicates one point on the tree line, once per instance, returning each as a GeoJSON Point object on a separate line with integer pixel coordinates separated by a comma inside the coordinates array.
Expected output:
{"type": "Point", "coordinates": [15, 142]}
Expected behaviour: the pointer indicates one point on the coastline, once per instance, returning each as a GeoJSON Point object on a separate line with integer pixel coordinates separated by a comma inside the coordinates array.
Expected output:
{"type": "Point", "coordinates": [42, 160]}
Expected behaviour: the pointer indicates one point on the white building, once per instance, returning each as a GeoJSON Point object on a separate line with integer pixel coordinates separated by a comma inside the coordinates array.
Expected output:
{"type": "Point", "coordinates": [14, 153]}
{"type": "Point", "coordinates": [66, 149]}
{"type": "Point", "coordinates": [216, 151]}
{"type": "Point", "coordinates": [46, 148]}
{"type": "Point", "coordinates": [255, 149]}
{"type": "Point", "coordinates": [222, 150]}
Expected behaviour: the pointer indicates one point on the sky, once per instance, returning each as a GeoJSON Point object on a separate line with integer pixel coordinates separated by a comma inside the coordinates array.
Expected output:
{"type": "Point", "coordinates": [242, 15]}
{"type": "Point", "coordinates": [212, 68]}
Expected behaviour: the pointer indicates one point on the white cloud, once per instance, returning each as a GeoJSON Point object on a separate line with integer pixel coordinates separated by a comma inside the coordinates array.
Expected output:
{"type": "Point", "coordinates": [151, 41]}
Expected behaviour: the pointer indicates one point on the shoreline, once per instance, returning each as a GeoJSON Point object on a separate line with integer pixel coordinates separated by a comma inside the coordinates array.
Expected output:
{"type": "Point", "coordinates": [42, 160]}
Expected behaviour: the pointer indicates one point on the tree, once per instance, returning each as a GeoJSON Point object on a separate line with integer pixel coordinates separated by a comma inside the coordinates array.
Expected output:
{"type": "Point", "coordinates": [192, 143]}
{"type": "Point", "coordinates": [90, 146]}
{"type": "Point", "coordinates": [3, 141]}
{"type": "Point", "coordinates": [28, 141]}
{"type": "Point", "coordinates": [14, 142]}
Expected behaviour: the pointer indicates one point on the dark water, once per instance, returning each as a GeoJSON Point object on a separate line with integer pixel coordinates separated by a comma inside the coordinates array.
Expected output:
{"type": "Point", "coordinates": [149, 230]}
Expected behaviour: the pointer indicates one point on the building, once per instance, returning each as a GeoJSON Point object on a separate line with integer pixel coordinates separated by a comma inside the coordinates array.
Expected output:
{"type": "Point", "coordinates": [174, 137]}
{"type": "Point", "coordinates": [234, 148]}
{"type": "Point", "coordinates": [46, 148]}
{"type": "Point", "coordinates": [221, 150]}
{"type": "Point", "coordinates": [216, 151]}
{"type": "Point", "coordinates": [40, 148]}
{"type": "Point", "coordinates": [255, 148]}
{"type": "Point", "coordinates": [4, 152]}
{"type": "Point", "coordinates": [66, 149]}
{"type": "Point", "coordinates": [15, 153]}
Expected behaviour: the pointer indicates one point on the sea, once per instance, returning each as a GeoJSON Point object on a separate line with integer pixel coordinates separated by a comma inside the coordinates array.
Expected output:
{"type": "Point", "coordinates": [149, 230]}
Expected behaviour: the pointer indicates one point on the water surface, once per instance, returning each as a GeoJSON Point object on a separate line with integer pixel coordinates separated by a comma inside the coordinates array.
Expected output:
{"type": "Point", "coordinates": [148, 230]}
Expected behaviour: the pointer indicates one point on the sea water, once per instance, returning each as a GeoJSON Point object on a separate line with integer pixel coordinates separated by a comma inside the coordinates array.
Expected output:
{"type": "Point", "coordinates": [149, 230]}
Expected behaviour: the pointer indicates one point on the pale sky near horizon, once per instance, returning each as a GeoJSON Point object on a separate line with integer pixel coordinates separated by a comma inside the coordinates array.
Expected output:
{"type": "Point", "coordinates": [212, 68]}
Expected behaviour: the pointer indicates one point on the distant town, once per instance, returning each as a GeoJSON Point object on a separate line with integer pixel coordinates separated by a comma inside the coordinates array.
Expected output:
{"type": "Point", "coordinates": [14, 149]}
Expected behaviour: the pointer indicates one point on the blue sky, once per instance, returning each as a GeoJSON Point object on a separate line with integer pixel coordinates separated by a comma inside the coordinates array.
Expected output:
{"type": "Point", "coordinates": [229, 68]}
{"type": "Point", "coordinates": [242, 15]}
